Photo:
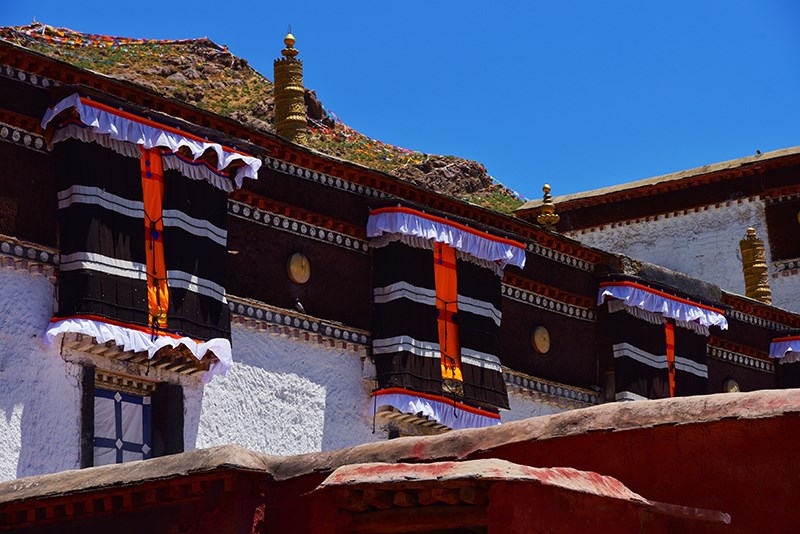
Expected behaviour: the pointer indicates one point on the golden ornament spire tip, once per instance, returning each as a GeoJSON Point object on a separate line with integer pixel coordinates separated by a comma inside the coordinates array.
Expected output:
{"type": "Point", "coordinates": [290, 51]}
{"type": "Point", "coordinates": [548, 216]}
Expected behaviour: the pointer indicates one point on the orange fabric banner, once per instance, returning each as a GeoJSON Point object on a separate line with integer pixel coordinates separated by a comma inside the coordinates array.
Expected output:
{"type": "Point", "coordinates": [153, 189]}
{"type": "Point", "coordinates": [669, 329]}
{"type": "Point", "coordinates": [444, 270]}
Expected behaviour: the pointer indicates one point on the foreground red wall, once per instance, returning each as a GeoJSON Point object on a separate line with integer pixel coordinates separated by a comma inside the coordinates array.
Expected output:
{"type": "Point", "coordinates": [748, 469]}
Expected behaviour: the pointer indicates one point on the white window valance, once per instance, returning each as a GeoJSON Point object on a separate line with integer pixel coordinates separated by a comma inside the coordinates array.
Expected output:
{"type": "Point", "coordinates": [121, 126]}
{"type": "Point", "coordinates": [670, 306]}
{"type": "Point", "coordinates": [143, 341]}
{"type": "Point", "coordinates": [411, 222]}
{"type": "Point", "coordinates": [444, 411]}
{"type": "Point", "coordinates": [786, 349]}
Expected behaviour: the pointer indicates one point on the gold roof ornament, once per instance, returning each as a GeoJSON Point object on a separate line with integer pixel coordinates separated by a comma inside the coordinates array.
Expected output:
{"type": "Point", "coordinates": [290, 108]}
{"type": "Point", "coordinates": [290, 50]}
{"type": "Point", "coordinates": [547, 212]}
{"type": "Point", "coordinates": [754, 267]}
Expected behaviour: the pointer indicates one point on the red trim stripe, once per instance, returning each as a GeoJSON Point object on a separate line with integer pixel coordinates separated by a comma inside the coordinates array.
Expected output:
{"type": "Point", "coordinates": [787, 338]}
{"type": "Point", "coordinates": [434, 218]}
{"type": "Point", "coordinates": [437, 398]}
{"type": "Point", "coordinates": [662, 294]}
{"type": "Point", "coordinates": [669, 331]}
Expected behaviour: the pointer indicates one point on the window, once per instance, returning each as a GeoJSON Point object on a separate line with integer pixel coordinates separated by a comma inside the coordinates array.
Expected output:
{"type": "Point", "coordinates": [127, 419]}
{"type": "Point", "coordinates": [122, 427]}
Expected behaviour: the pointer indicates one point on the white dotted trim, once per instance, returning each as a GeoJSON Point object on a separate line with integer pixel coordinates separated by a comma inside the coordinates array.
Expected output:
{"type": "Point", "coordinates": [321, 178]}
{"type": "Point", "coordinates": [293, 226]}
{"type": "Point", "coordinates": [18, 136]}
{"type": "Point", "coordinates": [741, 359]}
{"type": "Point", "coordinates": [782, 198]}
{"type": "Point", "coordinates": [562, 394]}
{"type": "Point", "coordinates": [560, 257]}
{"type": "Point", "coordinates": [758, 321]}
{"type": "Point", "coordinates": [786, 267]}
{"type": "Point", "coordinates": [288, 322]}
{"type": "Point", "coordinates": [546, 303]}
{"type": "Point", "coordinates": [29, 78]}
{"type": "Point", "coordinates": [25, 257]}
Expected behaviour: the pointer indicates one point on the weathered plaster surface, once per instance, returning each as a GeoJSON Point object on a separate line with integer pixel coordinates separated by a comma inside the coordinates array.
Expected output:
{"type": "Point", "coordinates": [39, 392]}
{"type": "Point", "coordinates": [786, 290]}
{"type": "Point", "coordinates": [524, 406]}
{"type": "Point", "coordinates": [284, 396]}
{"type": "Point", "coordinates": [703, 244]}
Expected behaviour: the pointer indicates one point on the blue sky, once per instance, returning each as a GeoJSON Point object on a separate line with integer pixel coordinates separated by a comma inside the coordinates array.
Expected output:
{"type": "Point", "coordinates": [581, 94]}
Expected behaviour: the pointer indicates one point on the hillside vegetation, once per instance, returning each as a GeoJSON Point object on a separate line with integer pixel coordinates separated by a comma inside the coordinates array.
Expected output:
{"type": "Point", "coordinates": [207, 75]}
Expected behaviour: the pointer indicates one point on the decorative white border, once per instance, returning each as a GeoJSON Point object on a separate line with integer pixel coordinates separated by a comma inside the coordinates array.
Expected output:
{"type": "Point", "coordinates": [322, 178]}
{"type": "Point", "coordinates": [785, 267]}
{"type": "Point", "coordinates": [740, 359]}
{"type": "Point", "coordinates": [292, 323]}
{"type": "Point", "coordinates": [23, 138]}
{"type": "Point", "coordinates": [547, 303]}
{"type": "Point", "coordinates": [555, 393]}
{"type": "Point", "coordinates": [22, 256]}
{"type": "Point", "coordinates": [560, 257]}
{"type": "Point", "coordinates": [28, 77]}
{"type": "Point", "coordinates": [781, 198]}
{"type": "Point", "coordinates": [296, 227]}
{"type": "Point", "coordinates": [757, 321]}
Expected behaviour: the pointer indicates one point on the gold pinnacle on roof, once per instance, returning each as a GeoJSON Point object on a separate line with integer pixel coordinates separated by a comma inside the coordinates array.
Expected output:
{"type": "Point", "coordinates": [547, 212]}
{"type": "Point", "coordinates": [290, 106]}
{"type": "Point", "coordinates": [754, 268]}
{"type": "Point", "coordinates": [289, 51]}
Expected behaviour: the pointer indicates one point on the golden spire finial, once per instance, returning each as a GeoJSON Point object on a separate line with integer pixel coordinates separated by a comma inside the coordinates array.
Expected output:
{"type": "Point", "coordinates": [754, 267]}
{"type": "Point", "coordinates": [547, 216]}
{"type": "Point", "coordinates": [289, 41]}
{"type": "Point", "coordinates": [290, 107]}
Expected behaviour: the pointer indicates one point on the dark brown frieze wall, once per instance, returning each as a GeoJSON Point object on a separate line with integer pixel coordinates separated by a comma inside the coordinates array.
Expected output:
{"type": "Point", "coordinates": [28, 200]}
{"type": "Point", "coordinates": [320, 209]}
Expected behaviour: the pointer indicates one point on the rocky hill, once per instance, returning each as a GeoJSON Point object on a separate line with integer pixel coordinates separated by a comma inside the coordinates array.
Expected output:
{"type": "Point", "coordinates": [203, 73]}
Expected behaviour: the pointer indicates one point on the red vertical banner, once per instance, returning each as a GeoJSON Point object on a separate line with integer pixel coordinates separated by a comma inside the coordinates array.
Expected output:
{"type": "Point", "coordinates": [444, 270]}
{"type": "Point", "coordinates": [153, 189]}
{"type": "Point", "coordinates": [669, 330]}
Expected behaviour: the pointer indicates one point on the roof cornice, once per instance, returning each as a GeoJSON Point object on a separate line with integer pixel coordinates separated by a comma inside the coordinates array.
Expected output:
{"type": "Point", "coordinates": [671, 182]}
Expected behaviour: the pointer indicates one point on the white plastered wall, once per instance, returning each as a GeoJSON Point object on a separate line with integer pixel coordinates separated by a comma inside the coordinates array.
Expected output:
{"type": "Point", "coordinates": [40, 395]}
{"type": "Point", "coordinates": [284, 396]}
{"type": "Point", "coordinates": [525, 406]}
{"type": "Point", "coordinates": [786, 290]}
{"type": "Point", "coordinates": [702, 244]}
{"type": "Point", "coordinates": [281, 397]}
